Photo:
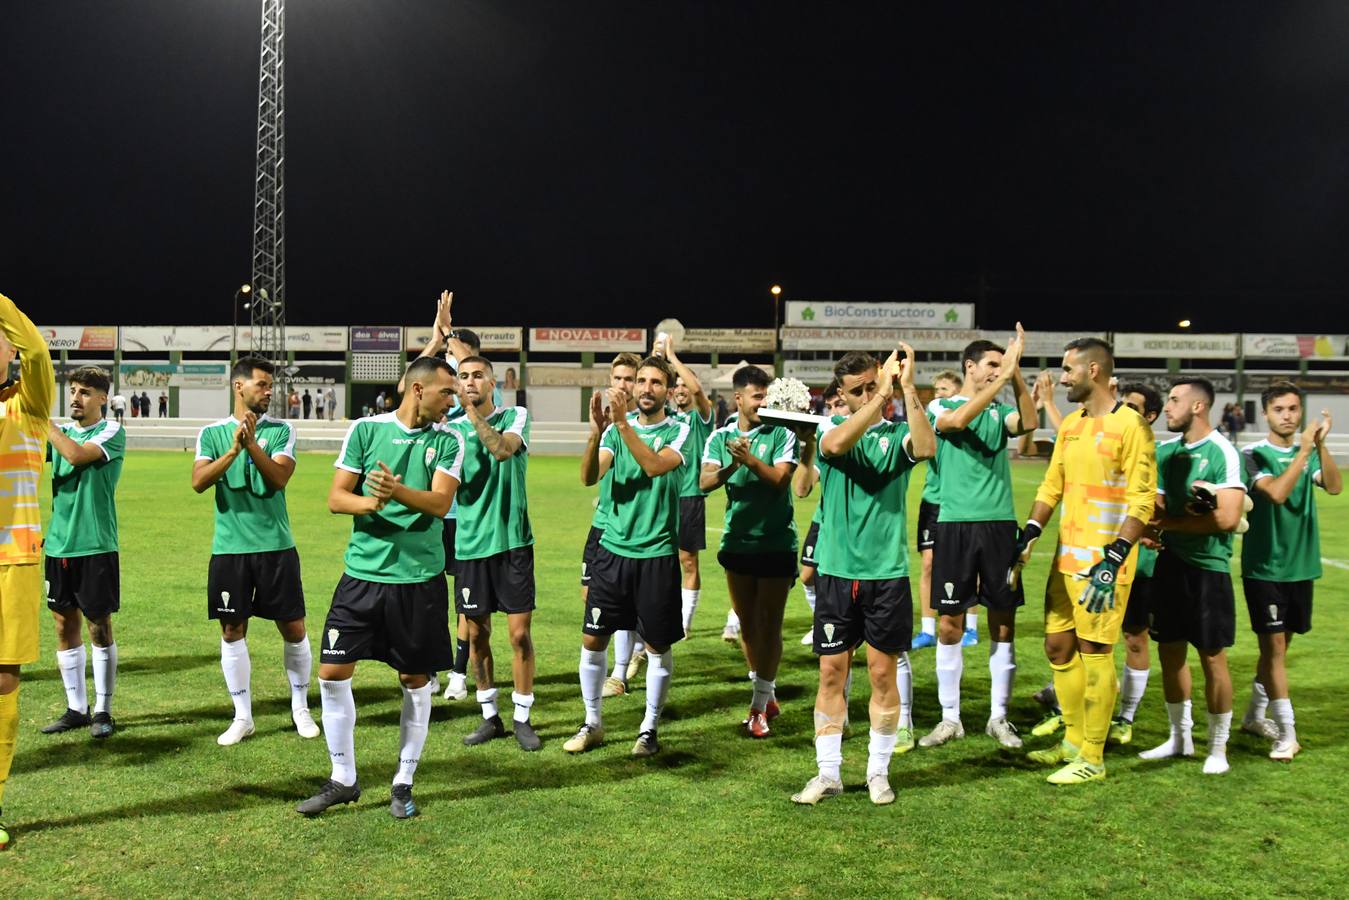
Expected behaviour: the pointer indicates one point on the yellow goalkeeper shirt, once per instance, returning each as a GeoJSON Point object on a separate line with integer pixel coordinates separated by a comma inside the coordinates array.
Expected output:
{"type": "Point", "coordinates": [1103, 471]}
{"type": "Point", "coordinates": [24, 420]}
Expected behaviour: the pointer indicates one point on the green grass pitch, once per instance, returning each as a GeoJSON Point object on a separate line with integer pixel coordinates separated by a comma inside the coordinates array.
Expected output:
{"type": "Point", "coordinates": [160, 810]}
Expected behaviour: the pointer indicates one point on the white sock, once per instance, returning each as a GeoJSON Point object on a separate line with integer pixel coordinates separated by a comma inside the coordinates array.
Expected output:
{"type": "Point", "coordinates": [523, 703]}
{"type": "Point", "coordinates": [688, 605]}
{"type": "Point", "coordinates": [412, 728]}
{"type": "Point", "coordinates": [732, 619]}
{"type": "Point", "coordinates": [1179, 742]}
{"type": "Point", "coordinates": [592, 684]}
{"type": "Point", "coordinates": [904, 682]}
{"type": "Point", "coordinates": [879, 750]}
{"type": "Point", "coordinates": [930, 626]}
{"type": "Point", "coordinates": [1131, 692]}
{"type": "Point", "coordinates": [971, 621]}
{"type": "Point", "coordinates": [829, 754]}
{"type": "Point", "coordinates": [623, 641]}
{"type": "Point", "coordinates": [763, 692]}
{"type": "Point", "coordinates": [488, 699]}
{"type": "Point", "coordinates": [1281, 711]}
{"type": "Point", "coordinates": [339, 728]}
{"type": "Point", "coordinates": [1219, 727]}
{"type": "Point", "coordinates": [71, 664]}
{"type": "Point", "coordinates": [1259, 701]}
{"type": "Point", "coordinates": [638, 647]}
{"type": "Point", "coordinates": [810, 595]}
{"type": "Point", "coordinates": [1002, 672]}
{"type": "Point", "coordinates": [299, 662]}
{"type": "Point", "coordinates": [950, 666]}
{"type": "Point", "coordinates": [105, 676]}
{"type": "Point", "coordinates": [659, 668]}
{"type": "Point", "coordinates": [238, 669]}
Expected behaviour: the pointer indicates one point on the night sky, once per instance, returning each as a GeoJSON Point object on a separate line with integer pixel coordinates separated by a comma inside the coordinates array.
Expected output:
{"type": "Point", "coordinates": [612, 163]}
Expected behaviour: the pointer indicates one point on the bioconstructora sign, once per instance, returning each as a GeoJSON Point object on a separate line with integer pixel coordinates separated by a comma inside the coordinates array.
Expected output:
{"type": "Point", "coordinates": [843, 314]}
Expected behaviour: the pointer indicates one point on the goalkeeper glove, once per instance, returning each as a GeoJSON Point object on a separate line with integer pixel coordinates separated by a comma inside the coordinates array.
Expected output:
{"type": "Point", "coordinates": [1025, 540]}
{"type": "Point", "coordinates": [1100, 593]}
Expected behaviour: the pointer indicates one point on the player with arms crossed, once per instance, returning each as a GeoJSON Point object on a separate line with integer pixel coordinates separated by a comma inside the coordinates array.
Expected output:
{"type": "Point", "coordinates": [944, 384]}
{"type": "Point", "coordinates": [255, 569]}
{"type": "Point", "coordinates": [1103, 474]}
{"type": "Point", "coordinates": [804, 479]}
{"type": "Point", "coordinates": [634, 578]}
{"type": "Point", "coordinates": [396, 477]}
{"type": "Point", "coordinates": [24, 425]}
{"type": "Point", "coordinates": [754, 462]}
{"type": "Point", "coordinates": [977, 529]}
{"type": "Point", "coordinates": [862, 589]}
{"type": "Point", "coordinates": [1192, 578]}
{"type": "Point", "coordinates": [1281, 553]}
{"type": "Point", "coordinates": [83, 574]}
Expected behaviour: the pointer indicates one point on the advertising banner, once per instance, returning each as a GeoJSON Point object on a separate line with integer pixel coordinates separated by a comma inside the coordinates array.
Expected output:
{"type": "Point", "coordinates": [495, 338]}
{"type": "Point", "coordinates": [599, 340]}
{"type": "Point", "coordinates": [185, 375]}
{"type": "Point", "coordinates": [1044, 343]}
{"type": "Point", "coordinates": [843, 314]}
{"type": "Point", "coordinates": [377, 338]}
{"type": "Point", "coordinates": [726, 340]}
{"type": "Point", "coordinates": [158, 338]}
{"type": "Point", "coordinates": [1184, 346]}
{"type": "Point", "coordinates": [80, 337]}
{"type": "Point", "coordinates": [843, 339]}
{"type": "Point", "coordinates": [1223, 383]}
{"type": "Point", "coordinates": [1294, 346]}
{"type": "Point", "coordinates": [567, 376]}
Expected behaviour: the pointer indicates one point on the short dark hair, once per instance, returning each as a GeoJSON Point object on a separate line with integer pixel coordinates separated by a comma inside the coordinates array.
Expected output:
{"type": "Point", "coordinates": [749, 375]}
{"type": "Point", "coordinates": [423, 366]}
{"type": "Point", "coordinates": [659, 363]}
{"type": "Point", "coordinates": [854, 362]}
{"type": "Point", "coordinates": [975, 350]}
{"type": "Point", "coordinates": [1095, 347]}
{"type": "Point", "coordinates": [1203, 385]}
{"type": "Point", "coordinates": [1152, 398]}
{"type": "Point", "coordinates": [245, 366]}
{"type": "Point", "coordinates": [91, 377]}
{"type": "Point", "coordinates": [477, 359]}
{"type": "Point", "coordinates": [470, 338]}
{"type": "Point", "coordinates": [831, 389]}
{"type": "Point", "coordinates": [1278, 389]}
{"type": "Point", "coordinates": [631, 360]}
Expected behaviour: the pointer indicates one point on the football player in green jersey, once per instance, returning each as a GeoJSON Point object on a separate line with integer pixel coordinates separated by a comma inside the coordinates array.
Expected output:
{"type": "Point", "coordinates": [396, 477]}
{"type": "Point", "coordinates": [804, 479]}
{"type": "Point", "coordinates": [82, 568]}
{"type": "Point", "coordinates": [1192, 578]}
{"type": "Point", "coordinates": [1281, 553]}
{"type": "Point", "coordinates": [249, 459]}
{"type": "Point", "coordinates": [696, 410]}
{"type": "Point", "coordinates": [863, 593]}
{"type": "Point", "coordinates": [977, 529]}
{"type": "Point", "coordinates": [944, 384]}
{"type": "Point", "coordinates": [634, 580]}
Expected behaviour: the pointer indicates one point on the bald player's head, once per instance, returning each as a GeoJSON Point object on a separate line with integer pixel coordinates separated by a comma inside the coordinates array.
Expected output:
{"type": "Point", "coordinates": [1087, 362]}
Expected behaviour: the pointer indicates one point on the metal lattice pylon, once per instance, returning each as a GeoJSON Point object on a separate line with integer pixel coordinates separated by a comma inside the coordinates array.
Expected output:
{"type": "Point", "coordinates": [268, 309]}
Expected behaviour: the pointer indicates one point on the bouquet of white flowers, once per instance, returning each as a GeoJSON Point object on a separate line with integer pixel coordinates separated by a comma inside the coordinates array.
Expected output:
{"type": "Point", "coordinates": [788, 394]}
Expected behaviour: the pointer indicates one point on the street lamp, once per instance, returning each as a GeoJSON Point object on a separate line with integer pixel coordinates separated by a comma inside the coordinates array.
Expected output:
{"type": "Point", "coordinates": [776, 291]}
{"type": "Point", "coordinates": [245, 291]}
{"type": "Point", "coordinates": [1184, 323]}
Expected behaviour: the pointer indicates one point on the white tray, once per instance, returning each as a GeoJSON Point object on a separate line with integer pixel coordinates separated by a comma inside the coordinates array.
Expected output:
{"type": "Point", "coordinates": [789, 419]}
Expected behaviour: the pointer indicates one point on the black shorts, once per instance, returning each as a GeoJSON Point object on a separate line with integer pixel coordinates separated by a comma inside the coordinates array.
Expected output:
{"type": "Point", "coordinates": [848, 612]}
{"type": "Point", "coordinates": [266, 585]}
{"type": "Point", "coordinates": [1138, 612]}
{"type": "Point", "coordinates": [692, 524]}
{"type": "Point", "coordinates": [1278, 607]}
{"type": "Point", "coordinates": [91, 584]}
{"type": "Point", "coordinates": [780, 564]}
{"type": "Point", "coordinates": [1192, 604]}
{"type": "Point", "coordinates": [808, 548]}
{"type": "Point", "coordinates": [629, 594]}
{"type": "Point", "coordinates": [927, 525]}
{"type": "Point", "coordinates": [406, 626]}
{"type": "Point", "coordinates": [588, 554]}
{"type": "Point", "coordinates": [969, 567]}
{"type": "Point", "coordinates": [447, 541]}
{"type": "Point", "coordinates": [502, 582]}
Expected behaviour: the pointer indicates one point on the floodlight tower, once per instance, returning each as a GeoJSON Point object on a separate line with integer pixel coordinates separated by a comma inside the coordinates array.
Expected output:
{"type": "Point", "coordinates": [268, 311]}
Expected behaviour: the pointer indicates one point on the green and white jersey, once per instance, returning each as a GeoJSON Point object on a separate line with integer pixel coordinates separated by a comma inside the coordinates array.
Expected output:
{"type": "Point", "coordinates": [1179, 465]}
{"type": "Point", "coordinates": [863, 528]}
{"type": "Point", "coordinates": [700, 430]}
{"type": "Point", "coordinates": [84, 504]}
{"type": "Point", "coordinates": [602, 498]}
{"type": "Point", "coordinates": [398, 545]}
{"type": "Point", "coordinates": [758, 517]}
{"type": "Point", "coordinates": [250, 517]}
{"type": "Point", "coordinates": [1284, 542]}
{"type": "Point", "coordinates": [493, 506]}
{"type": "Point", "coordinates": [974, 460]}
{"type": "Point", "coordinates": [642, 513]}
{"type": "Point", "coordinates": [455, 414]}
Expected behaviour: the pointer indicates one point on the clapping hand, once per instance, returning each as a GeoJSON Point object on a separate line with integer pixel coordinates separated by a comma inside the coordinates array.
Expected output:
{"type": "Point", "coordinates": [380, 483]}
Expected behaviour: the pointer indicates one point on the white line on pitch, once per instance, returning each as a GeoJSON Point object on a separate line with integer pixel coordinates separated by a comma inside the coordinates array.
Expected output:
{"type": "Point", "coordinates": [1336, 563]}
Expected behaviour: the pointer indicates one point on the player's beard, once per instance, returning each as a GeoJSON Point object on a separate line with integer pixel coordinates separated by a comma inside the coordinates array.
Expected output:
{"type": "Point", "coordinates": [648, 404]}
{"type": "Point", "coordinates": [1181, 426]}
{"type": "Point", "coordinates": [1079, 392]}
{"type": "Point", "coordinates": [259, 407]}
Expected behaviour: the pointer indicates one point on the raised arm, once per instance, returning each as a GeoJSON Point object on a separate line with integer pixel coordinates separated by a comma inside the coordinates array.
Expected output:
{"type": "Point", "coordinates": [437, 342]}
{"type": "Point", "coordinates": [1330, 472]}
{"type": "Point", "coordinates": [805, 477]}
{"type": "Point", "coordinates": [922, 439]}
{"type": "Point", "coordinates": [1276, 488]}
{"type": "Point", "coordinates": [700, 401]}
{"type": "Point", "coordinates": [959, 418]}
{"type": "Point", "coordinates": [838, 440]}
{"type": "Point", "coordinates": [207, 471]}
{"type": "Point", "coordinates": [276, 469]}
{"type": "Point", "coordinates": [37, 378]}
{"type": "Point", "coordinates": [502, 445]}
{"type": "Point", "coordinates": [593, 466]}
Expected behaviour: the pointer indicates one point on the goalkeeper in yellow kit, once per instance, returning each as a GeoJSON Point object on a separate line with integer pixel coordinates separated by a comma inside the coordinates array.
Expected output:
{"type": "Point", "coordinates": [1104, 473]}
{"type": "Point", "coordinates": [25, 407]}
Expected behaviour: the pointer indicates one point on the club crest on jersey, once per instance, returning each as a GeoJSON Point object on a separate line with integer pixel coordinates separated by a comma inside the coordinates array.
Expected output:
{"type": "Point", "coordinates": [430, 455]}
{"type": "Point", "coordinates": [262, 442]}
{"type": "Point", "coordinates": [762, 448]}
{"type": "Point", "coordinates": [655, 445]}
